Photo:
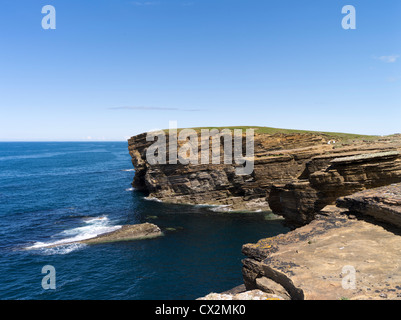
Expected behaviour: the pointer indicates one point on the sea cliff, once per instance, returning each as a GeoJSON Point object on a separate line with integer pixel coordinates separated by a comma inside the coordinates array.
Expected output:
{"type": "Point", "coordinates": [301, 176]}
{"type": "Point", "coordinates": [296, 174]}
{"type": "Point", "coordinates": [279, 158]}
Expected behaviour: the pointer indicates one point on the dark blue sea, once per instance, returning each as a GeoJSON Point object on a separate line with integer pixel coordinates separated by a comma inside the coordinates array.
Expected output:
{"type": "Point", "coordinates": [55, 192]}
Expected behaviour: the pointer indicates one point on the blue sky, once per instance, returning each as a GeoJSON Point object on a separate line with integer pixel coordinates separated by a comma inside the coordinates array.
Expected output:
{"type": "Point", "coordinates": [115, 68]}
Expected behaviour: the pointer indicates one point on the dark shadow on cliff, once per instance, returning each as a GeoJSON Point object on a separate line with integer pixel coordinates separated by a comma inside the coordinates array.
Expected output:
{"type": "Point", "coordinates": [363, 217]}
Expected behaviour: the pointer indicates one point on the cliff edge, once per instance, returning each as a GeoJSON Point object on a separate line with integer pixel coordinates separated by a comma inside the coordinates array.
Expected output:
{"type": "Point", "coordinates": [296, 174]}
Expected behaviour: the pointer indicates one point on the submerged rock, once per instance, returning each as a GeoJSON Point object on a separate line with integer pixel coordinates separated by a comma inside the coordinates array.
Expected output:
{"type": "Point", "coordinates": [151, 217]}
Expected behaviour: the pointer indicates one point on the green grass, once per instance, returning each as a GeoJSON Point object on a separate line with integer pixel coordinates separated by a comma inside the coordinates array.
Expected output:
{"type": "Point", "coordinates": [339, 136]}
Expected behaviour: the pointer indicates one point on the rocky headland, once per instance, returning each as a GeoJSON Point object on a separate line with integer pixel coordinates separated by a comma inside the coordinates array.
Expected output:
{"type": "Point", "coordinates": [279, 158]}
{"type": "Point", "coordinates": [302, 176]}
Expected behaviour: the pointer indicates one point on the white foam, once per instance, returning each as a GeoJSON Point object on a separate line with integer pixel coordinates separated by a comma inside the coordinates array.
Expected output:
{"type": "Point", "coordinates": [130, 189]}
{"type": "Point", "coordinates": [63, 249]}
{"type": "Point", "coordinates": [96, 219]}
{"type": "Point", "coordinates": [92, 228]}
{"type": "Point", "coordinates": [128, 170]}
{"type": "Point", "coordinates": [221, 208]}
{"type": "Point", "coordinates": [152, 199]}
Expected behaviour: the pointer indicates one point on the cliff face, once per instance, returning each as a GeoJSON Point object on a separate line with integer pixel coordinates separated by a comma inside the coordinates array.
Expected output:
{"type": "Point", "coordinates": [332, 176]}
{"type": "Point", "coordinates": [295, 175]}
{"type": "Point", "coordinates": [383, 204]}
{"type": "Point", "coordinates": [279, 158]}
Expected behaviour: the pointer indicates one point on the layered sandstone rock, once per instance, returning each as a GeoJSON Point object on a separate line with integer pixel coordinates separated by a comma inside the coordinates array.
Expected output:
{"type": "Point", "coordinates": [334, 257]}
{"type": "Point", "coordinates": [330, 176]}
{"type": "Point", "coordinates": [279, 158]}
{"type": "Point", "coordinates": [295, 174]}
{"type": "Point", "coordinates": [383, 204]}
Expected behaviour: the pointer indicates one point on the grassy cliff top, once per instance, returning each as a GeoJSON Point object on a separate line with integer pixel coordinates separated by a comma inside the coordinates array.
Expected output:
{"type": "Point", "coordinates": [268, 130]}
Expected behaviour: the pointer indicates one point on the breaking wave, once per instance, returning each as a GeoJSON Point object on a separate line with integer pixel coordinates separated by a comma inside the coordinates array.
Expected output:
{"type": "Point", "coordinates": [67, 239]}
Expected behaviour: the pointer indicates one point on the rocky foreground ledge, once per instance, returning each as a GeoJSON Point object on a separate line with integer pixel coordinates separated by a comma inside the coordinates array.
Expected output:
{"type": "Point", "coordinates": [342, 254]}
{"type": "Point", "coordinates": [384, 204]}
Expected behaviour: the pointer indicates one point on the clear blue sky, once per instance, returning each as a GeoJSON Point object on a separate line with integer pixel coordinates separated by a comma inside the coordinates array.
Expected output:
{"type": "Point", "coordinates": [115, 68]}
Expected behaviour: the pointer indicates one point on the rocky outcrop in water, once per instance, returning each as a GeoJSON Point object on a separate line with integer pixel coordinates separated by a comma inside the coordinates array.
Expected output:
{"type": "Point", "coordinates": [127, 233]}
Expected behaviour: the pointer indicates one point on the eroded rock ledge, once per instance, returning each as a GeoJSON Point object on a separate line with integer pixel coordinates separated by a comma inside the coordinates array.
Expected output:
{"type": "Point", "coordinates": [312, 262]}
{"type": "Point", "coordinates": [332, 176]}
{"type": "Point", "coordinates": [383, 204]}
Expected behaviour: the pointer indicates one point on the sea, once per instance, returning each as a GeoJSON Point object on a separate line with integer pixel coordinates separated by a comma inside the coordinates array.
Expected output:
{"type": "Point", "coordinates": [52, 193]}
